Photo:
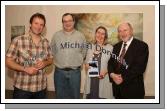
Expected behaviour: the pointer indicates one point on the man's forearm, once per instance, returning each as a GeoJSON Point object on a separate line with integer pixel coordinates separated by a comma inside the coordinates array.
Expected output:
{"type": "Point", "coordinates": [10, 63]}
{"type": "Point", "coordinates": [48, 61]}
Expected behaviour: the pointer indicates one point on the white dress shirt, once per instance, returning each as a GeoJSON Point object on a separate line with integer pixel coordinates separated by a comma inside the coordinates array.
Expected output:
{"type": "Point", "coordinates": [127, 45]}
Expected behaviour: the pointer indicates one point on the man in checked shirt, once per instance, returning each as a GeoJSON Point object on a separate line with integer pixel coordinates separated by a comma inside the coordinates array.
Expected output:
{"type": "Point", "coordinates": [28, 55]}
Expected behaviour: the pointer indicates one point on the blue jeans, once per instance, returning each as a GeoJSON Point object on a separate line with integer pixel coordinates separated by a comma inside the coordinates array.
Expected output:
{"type": "Point", "coordinates": [21, 94]}
{"type": "Point", "coordinates": [67, 83]}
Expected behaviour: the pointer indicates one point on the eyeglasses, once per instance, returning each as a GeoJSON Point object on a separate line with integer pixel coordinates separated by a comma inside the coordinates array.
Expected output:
{"type": "Point", "coordinates": [69, 21]}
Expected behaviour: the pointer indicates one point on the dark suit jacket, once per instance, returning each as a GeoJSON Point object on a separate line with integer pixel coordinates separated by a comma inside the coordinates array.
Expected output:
{"type": "Point", "coordinates": [136, 58]}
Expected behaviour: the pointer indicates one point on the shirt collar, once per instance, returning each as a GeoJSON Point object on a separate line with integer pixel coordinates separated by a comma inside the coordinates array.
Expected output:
{"type": "Point", "coordinates": [69, 33]}
{"type": "Point", "coordinates": [129, 41]}
{"type": "Point", "coordinates": [30, 37]}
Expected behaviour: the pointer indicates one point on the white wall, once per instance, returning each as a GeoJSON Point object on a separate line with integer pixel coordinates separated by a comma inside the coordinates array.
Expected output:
{"type": "Point", "coordinates": [19, 15]}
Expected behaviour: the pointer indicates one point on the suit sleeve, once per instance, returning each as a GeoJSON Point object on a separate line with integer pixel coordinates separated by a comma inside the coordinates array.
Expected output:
{"type": "Point", "coordinates": [110, 67]}
{"type": "Point", "coordinates": [138, 66]}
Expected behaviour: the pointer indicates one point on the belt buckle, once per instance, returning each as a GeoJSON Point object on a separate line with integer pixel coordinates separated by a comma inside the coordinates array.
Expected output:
{"type": "Point", "coordinates": [68, 69]}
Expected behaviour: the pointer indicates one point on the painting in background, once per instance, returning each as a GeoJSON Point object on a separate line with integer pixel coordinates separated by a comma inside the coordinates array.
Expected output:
{"type": "Point", "coordinates": [88, 22]}
{"type": "Point", "coordinates": [17, 31]}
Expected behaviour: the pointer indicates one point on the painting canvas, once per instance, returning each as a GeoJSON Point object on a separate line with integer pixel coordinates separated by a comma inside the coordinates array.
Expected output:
{"type": "Point", "coordinates": [17, 31]}
{"type": "Point", "coordinates": [88, 22]}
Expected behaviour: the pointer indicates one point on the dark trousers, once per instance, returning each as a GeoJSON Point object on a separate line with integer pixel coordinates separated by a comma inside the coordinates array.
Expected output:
{"type": "Point", "coordinates": [119, 95]}
{"type": "Point", "coordinates": [21, 94]}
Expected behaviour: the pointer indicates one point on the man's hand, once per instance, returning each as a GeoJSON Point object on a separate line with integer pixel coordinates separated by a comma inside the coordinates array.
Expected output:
{"type": "Point", "coordinates": [40, 64]}
{"type": "Point", "coordinates": [31, 70]}
{"type": "Point", "coordinates": [117, 78]}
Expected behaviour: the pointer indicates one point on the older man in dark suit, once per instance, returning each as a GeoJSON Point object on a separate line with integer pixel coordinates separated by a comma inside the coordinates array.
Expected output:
{"type": "Point", "coordinates": [127, 65]}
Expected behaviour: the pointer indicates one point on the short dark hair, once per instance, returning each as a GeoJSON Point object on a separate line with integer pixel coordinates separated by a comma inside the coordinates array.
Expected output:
{"type": "Point", "coordinates": [68, 14]}
{"type": "Point", "coordinates": [39, 15]}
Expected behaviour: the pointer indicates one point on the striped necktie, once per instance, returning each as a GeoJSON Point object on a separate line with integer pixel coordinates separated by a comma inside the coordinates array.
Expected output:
{"type": "Point", "coordinates": [121, 56]}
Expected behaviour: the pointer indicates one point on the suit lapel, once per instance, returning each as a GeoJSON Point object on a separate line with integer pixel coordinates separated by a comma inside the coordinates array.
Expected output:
{"type": "Point", "coordinates": [117, 51]}
{"type": "Point", "coordinates": [130, 52]}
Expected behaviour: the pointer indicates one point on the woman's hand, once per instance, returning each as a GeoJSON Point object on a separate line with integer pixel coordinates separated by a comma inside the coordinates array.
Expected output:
{"type": "Point", "coordinates": [102, 74]}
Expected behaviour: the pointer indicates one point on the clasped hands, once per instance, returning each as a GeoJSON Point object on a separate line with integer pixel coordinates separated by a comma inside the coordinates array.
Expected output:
{"type": "Point", "coordinates": [117, 78]}
{"type": "Point", "coordinates": [34, 69]}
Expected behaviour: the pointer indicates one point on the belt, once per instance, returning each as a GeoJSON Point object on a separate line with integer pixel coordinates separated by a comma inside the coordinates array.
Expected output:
{"type": "Point", "coordinates": [69, 69]}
